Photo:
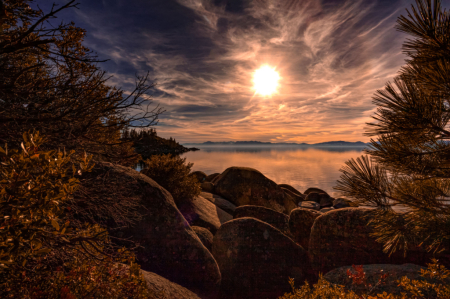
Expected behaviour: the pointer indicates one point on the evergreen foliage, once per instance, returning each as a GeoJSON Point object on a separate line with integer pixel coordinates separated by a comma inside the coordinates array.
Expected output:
{"type": "Point", "coordinates": [172, 173]}
{"type": "Point", "coordinates": [408, 162]}
{"type": "Point", "coordinates": [147, 143]}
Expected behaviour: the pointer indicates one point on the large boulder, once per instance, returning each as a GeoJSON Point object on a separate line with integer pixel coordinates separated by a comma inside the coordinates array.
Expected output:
{"type": "Point", "coordinates": [162, 288]}
{"type": "Point", "coordinates": [200, 175]}
{"type": "Point", "coordinates": [313, 196]}
{"type": "Point", "coordinates": [220, 202]}
{"type": "Point", "coordinates": [248, 186]}
{"type": "Point", "coordinates": [341, 237]}
{"type": "Point", "coordinates": [373, 273]}
{"type": "Point", "coordinates": [290, 188]}
{"type": "Point", "coordinates": [325, 201]}
{"type": "Point", "coordinates": [295, 198]}
{"type": "Point", "coordinates": [211, 177]}
{"type": "Point", "coordinates": [317, 190]}
{"type": "Point", "coordinates": [340, 203]}
{"type": "Point", "coordinates": [256, 260]}
{"type": "Point", "coordinates": [202, 212]}
{"type": "Point", "coordinates": [169, 247]}
{"type": "Point", "coordinates": [290, 201]}
{"type": "Point", "coordinates": [207, 187]}
{"type": "Point", "coordinates": [216, 178]}
{"type": "Point", "coordinates": [301, 221]}
{"type": "Point", "coordinates": [204, 235]}
{"type": "Point", "coordinates": [274, 218]}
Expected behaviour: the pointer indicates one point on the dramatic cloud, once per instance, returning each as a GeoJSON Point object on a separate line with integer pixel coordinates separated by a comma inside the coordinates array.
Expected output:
{"type": "Point", "coordinates": [331, 56]}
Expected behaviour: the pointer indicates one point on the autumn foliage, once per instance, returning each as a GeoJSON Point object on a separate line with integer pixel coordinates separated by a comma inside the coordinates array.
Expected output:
{"type": "Point", "coordinates": [172, 173]}
{"type": "Point", "coordinates": [42, 255]}
{"type": "Point", "coordinates": [58, 116]}
{"type": "Point", "coordinates": [411, 289]}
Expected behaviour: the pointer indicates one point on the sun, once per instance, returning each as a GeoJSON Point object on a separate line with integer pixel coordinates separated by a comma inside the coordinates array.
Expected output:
{"type": "Point", "coordinates": [265, 80]}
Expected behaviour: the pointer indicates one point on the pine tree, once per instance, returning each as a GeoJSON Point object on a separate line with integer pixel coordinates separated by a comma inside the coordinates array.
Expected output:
{"type": "Point", "coordinates": [408, 161]}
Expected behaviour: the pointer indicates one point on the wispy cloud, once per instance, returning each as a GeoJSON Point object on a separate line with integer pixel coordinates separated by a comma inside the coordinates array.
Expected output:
{"type": "Point", "coordinates": [331, 56]}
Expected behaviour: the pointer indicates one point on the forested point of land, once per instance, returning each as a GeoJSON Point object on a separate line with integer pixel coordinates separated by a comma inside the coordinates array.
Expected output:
{"type": "Point", "coordinates": [147, 143]}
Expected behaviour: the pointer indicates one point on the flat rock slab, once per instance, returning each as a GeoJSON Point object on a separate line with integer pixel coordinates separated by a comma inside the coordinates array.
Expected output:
{"type": "Point", "coordinates": [274, 218]}
{"type": "Point", "coordinates": [169, 247]}
{"type": "Point", "coordinates": [201, 212]}
{"type": "Point", "coordinates": [309, 205]}
{"type": "Point", "coordinates": [219, 201]}
{"type": "Point", "coordinates": [256, 260]}
{"type": "Point", "coordinates": [373, 273]}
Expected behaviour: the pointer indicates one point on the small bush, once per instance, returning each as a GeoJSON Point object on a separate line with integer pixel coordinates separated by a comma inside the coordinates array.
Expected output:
{"type": "Point", "coordinates": [413, 289]}
{"type": "Point", "coordinates": [172, 173]}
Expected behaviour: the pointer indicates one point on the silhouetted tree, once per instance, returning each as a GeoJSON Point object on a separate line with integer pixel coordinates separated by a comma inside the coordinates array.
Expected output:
{"type": "Point", "coordinates": [409, 162]}
{"type": "Point", "coordinates": [50, 82]}
{"type": "Point", "coordinates": [146, 142]}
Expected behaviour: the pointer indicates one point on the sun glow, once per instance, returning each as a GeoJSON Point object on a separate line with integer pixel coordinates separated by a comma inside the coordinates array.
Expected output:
{"type": "Point", "coordinates": [265, 80]}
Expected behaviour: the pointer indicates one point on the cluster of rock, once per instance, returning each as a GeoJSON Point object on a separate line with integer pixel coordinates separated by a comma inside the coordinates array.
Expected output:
{"type": "Point", "coordinates": [245, 235]}
{"type": "Point", "coordinates": [280, 197]}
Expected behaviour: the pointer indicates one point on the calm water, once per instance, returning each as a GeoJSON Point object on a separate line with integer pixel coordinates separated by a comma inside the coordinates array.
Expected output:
{"type": "Point", "coordinates": [299, 167]}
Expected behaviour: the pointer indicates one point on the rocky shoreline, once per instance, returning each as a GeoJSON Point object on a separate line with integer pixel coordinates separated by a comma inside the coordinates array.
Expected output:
{"type": "Point", "coordinates": [246, 235]}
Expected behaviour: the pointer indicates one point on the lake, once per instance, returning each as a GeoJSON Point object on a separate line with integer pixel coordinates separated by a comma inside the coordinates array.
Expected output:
{"type": "Point", "coordinates": [299, 167]}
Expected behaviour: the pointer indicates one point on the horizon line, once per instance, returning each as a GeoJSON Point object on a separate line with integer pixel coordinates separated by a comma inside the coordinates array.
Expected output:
{"type": "Point", "coordinates": [269, 142]}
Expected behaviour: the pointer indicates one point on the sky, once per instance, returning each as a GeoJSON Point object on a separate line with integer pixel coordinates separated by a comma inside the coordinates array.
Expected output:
{"type": "Point", "coordinates": [331, 57]}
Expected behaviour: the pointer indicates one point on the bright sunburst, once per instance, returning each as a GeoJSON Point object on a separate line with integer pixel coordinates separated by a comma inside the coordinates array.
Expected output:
{"type": "Point", "coordinates": [265, 80]}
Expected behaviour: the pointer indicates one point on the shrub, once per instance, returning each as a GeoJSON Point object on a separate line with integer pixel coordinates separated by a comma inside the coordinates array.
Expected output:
{"type": "Point", "coordinates": [413, 289]}
{"type": "Point", "coordinates": [42, 255]}
{"type": "Point", "coordinates": [172, 173]}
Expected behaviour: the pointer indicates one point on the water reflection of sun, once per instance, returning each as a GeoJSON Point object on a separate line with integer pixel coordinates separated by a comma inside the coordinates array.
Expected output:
{"type": "Point", "coordinates": [265, 80]}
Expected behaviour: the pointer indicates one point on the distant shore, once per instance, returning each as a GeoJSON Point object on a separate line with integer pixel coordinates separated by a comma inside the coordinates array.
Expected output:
{"type": "Point", "coordinates": [259, 143]}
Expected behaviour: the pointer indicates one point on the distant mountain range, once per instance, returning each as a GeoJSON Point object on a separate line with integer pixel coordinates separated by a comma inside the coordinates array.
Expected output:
{"type": "Point", "coordinates": [257, 143]}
